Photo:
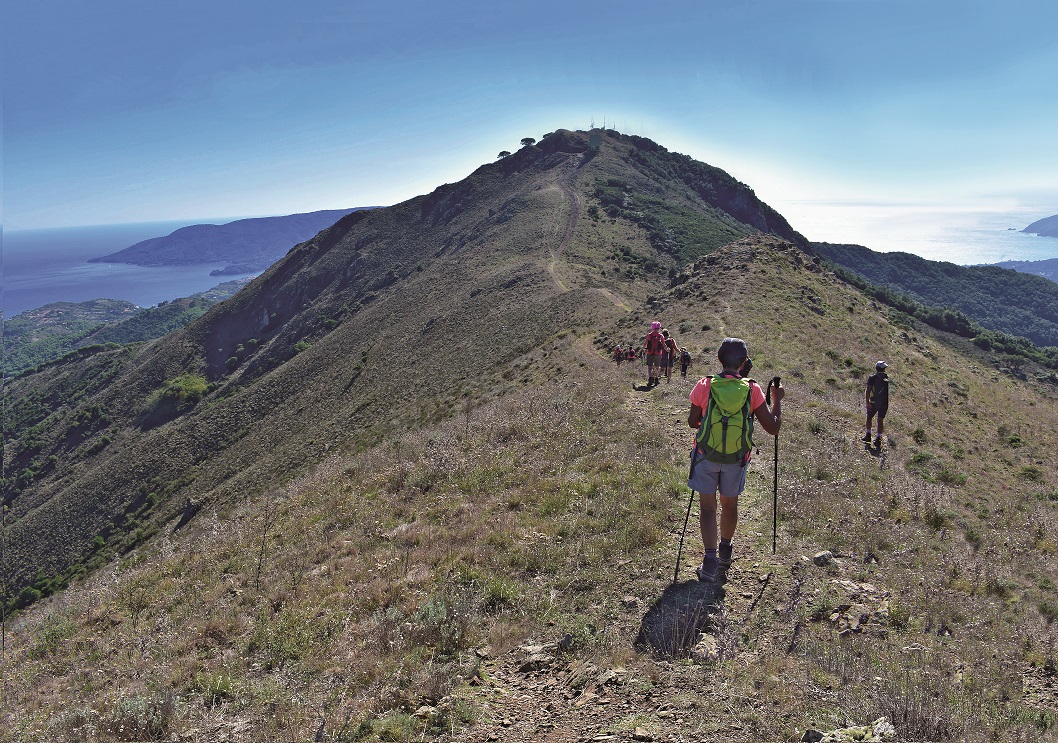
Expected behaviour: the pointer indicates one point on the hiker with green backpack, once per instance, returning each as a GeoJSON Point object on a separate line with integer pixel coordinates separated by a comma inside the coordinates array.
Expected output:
{"type": "Point", "coordinates": [722, 410]}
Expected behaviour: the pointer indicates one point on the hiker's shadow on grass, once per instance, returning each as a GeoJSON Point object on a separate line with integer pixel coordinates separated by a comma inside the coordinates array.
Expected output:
{"type": "Point", "coordinates": [642, 387]}
{"type": "Point", "coordinates": [671, 625]}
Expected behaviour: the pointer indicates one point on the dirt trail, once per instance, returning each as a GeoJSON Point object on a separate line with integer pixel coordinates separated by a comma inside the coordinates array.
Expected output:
{"type": "Point", "coordinates": [565, 184]}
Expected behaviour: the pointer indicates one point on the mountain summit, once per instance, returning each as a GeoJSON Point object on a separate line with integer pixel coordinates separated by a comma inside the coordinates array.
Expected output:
{"type": "Point", "coordinates": [342, 341]}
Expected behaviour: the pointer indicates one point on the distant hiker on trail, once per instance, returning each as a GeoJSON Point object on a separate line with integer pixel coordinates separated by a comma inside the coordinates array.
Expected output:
{"type": "Point", "coordinates": [671, 352]}
{"type": "Point", "coordinates": [685, 361]}
{"type": "Point", "coordinates": [723, 409]}
{"type": "Point", "coordinates": [631, 353]}
{"type": "Point", "coordinates": [654, 345]}
{"type": "Point", "coordinates": [877, 401]}
{"type": "Point", "coordinates": [618, 355]}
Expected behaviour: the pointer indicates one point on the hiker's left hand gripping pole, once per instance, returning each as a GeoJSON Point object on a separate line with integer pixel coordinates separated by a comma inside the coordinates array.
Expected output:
{"type": "Point", "coordinates": [775, 479]}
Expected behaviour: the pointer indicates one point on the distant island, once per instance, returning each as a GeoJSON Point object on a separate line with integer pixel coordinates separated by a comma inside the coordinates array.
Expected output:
{"type": "Point", "coordinates": [1046, 227]}
{"type": "Point", "coordinates": [251, 245]}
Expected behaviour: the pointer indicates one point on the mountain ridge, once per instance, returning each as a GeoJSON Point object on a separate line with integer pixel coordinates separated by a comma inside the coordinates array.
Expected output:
{"type": "Point", "coordinates": [395, 490]}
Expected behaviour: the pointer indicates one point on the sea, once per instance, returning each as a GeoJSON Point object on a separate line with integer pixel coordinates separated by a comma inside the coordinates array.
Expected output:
{"type": "Point", "coordinates": [44, 266]}
{"type": "Point", "coordinates": [964, 236]}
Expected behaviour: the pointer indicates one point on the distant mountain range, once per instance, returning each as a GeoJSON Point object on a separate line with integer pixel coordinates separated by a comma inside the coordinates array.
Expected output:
{"type": "Point", "coordinates": [1046, 227]}
{"type": "Point", "coordinates": [250, 244]}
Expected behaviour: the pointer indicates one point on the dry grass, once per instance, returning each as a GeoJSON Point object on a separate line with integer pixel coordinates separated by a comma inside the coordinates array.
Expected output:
{"type": "Point", "coordinates": [360, 590]}
{"type": "Point", "coordinates": [347, 599]}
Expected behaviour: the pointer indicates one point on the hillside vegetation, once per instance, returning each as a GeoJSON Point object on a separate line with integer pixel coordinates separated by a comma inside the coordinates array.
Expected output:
{"type": "Point", "coordinates": [447, 515]}
{"type": "Point", "coordinates": [984, 293]}
{"type": "Point", "coordinates": [50, 332]}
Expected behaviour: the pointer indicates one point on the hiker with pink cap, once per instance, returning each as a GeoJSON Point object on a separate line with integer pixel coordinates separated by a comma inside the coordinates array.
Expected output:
{"type": "Point", "coordinates": [654, 346]}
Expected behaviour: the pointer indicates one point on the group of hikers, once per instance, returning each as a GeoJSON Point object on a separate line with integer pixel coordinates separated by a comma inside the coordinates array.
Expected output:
{"type": "Point", "coordinates": [661, 352]}
{"type": "Point", "coordinates": [723, 410]}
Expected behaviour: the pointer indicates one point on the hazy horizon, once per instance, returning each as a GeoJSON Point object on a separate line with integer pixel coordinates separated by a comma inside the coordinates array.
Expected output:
{"type": "Point", "coordinates": [126, 113]}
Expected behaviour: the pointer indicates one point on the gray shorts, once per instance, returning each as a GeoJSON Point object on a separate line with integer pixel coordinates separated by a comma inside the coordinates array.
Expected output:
{"type": "Point", "coordinates": [709, 477]}
{"type": "Point", "coordinates": [655, 359]}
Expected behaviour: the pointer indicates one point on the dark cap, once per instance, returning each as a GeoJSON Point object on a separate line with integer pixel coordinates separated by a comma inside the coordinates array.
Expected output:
{"type": "Point", "coordinates": [732, 351]}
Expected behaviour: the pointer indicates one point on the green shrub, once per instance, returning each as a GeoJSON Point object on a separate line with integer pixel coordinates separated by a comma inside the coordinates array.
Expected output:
{"type": "Point", "coordinates": [398, 726]}
{"type": "Point", "coordinates": [214, 687]}
{"type": "Point", "coordinates": [141, 718]}
{"type": "Point", "coordinates": [1031, 472]}
{"type": "Point", "coordinates": [183, 391]}
{"type": "Point", "coordinates": [950, 477]}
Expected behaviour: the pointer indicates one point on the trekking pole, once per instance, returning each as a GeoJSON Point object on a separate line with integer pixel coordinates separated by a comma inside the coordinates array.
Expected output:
{"type": "Point", "coordinates": [679, 554]}
{"type": "Point", "coordinates": [687, 518]}
{"type": "Point", "coordinates": [775, 478]}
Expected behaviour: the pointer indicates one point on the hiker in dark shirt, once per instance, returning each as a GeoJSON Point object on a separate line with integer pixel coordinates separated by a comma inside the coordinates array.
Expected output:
{"type": "Point", "coordinates": [685, 361]}
{"type": "Point", "coordinates": [618, 355]}
{"type": "Point", "coordinates": [877, 398]}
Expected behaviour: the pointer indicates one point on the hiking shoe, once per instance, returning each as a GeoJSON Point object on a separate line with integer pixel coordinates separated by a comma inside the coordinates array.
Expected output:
{"type": "Point", "coordinates": [867, 437]}
{"type": "Point", "coordinates": [723, 555]}
{"type": "Point", "coordinates": [708, 569]}
{"type": "Point", "coordinates": [878, 442]}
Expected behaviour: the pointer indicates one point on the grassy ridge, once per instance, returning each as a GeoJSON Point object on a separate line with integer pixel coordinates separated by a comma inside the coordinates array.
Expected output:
{"type": "Point", "coordinates": [463, 535]}
{"type": "Point", "coordinates": [409, 573]}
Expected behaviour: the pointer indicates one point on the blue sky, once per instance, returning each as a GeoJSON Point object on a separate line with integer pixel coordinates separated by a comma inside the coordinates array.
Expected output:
{"type": "Point", "coordinates": [831, 110]}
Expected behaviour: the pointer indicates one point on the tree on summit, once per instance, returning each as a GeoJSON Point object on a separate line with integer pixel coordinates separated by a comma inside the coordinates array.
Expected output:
{"type": "Point", "coordinates": [503, 153]}
{"type": "Point", "coordinates": [528, 141]}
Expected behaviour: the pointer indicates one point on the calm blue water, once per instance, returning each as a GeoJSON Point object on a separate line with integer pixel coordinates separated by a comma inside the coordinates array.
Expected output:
{"type": "Point", "coordinates": [957, 235]}
{"type": "Point", "coordinates": [44, 266]}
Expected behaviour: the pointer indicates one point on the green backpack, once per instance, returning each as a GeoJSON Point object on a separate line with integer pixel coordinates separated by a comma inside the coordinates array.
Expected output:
{"type": "Point", "coordinates": [726, 433]}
